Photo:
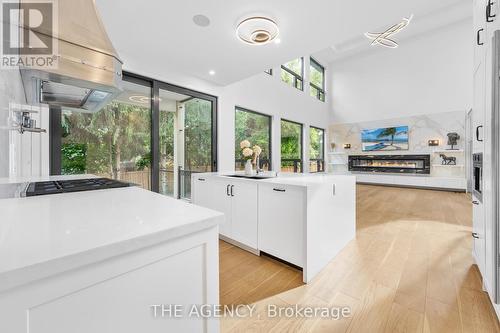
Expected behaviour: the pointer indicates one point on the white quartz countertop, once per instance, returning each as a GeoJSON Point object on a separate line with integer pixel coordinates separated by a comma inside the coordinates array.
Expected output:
{"type": "Point", "coordinates": [296, 179]}
{"type": "Point", "coordinates": [45, 235]}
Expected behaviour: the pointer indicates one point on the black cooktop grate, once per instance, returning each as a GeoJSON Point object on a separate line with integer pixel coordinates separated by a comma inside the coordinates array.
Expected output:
{"type": "Point", "coordinates": [74, 185]}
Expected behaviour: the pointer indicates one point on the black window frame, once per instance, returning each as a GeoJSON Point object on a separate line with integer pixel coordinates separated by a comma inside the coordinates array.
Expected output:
{"type": "Point", "coordinates": [320, 95]}
{"type": "Point", "coordinates": [319, 161]}
{"type": "Point", "coordinates": [301, 145]}
{"type": "Point", "coordinates": [296, 77]}
{"type": "Point", "coordinates": [269, 71]}
{"type": "Point", "coordinates": [55, 138]}
{"type": "Point", "coordinates": [240, 108]}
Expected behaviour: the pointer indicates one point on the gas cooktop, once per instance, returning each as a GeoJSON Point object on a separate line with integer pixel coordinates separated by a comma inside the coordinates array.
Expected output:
{"type": "Point", "coordinates": [74, 185]}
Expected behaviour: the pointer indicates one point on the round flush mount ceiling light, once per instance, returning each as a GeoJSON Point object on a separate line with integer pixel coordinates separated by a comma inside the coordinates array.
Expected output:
{"type": "Point", "coordinates": [257, 30]}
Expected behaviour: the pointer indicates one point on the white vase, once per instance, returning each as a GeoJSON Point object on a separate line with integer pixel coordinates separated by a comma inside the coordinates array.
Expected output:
{"type": "Point", "coordinates": [248, 168]}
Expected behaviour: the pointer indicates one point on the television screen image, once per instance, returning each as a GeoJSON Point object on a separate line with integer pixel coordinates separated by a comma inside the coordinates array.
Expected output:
{"type": "Point", "coordinates": [385, 139]}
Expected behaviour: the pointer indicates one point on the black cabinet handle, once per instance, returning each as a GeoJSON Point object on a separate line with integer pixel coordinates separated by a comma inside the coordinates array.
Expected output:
{"type": "Point", "coordinates": [475, 202]}
{"type": "Point", "coordinates": [477, 133]}
{"type": "Point", "coordinates": [201, 179]}
{"type": "Point", "coordinates": [232, 187]}
{"type": "Point", "coordinates": [475, 235]}
{"type": "Point", "coordinates": [478, 37]}
{"type": "Point", "coordinates": [489, 17]}
{"type": "Point", "coordinates": [279, 190]}
{"type": "Point", "coordinates": [227, 190]}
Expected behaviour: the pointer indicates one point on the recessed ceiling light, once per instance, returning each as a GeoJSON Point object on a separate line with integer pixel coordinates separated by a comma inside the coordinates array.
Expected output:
{"type": "Point", "coordinates": [383, 38]}
{"type": "Point", "coordinates": [277, 41]}
{"type": "Point", "coordinates": [211, 72]}
{"type": "Point", "coordinates": [201, 20]}
{"type": "Point", "coordinates": [257, 30]}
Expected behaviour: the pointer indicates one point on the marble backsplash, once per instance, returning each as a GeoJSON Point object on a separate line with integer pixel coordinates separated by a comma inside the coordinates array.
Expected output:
{"type": "Point", "coordinates": [422, 128]}
{"type": "Point", "coordinates": [11, 91]}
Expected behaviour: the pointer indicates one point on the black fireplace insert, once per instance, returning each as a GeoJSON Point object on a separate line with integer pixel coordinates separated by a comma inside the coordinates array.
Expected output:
{"type": "Point", "coordinates": [416, 164]}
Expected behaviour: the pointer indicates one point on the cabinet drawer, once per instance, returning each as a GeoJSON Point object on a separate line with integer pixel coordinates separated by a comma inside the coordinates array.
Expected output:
{"type": "Point", "coordinates": [282, 222]}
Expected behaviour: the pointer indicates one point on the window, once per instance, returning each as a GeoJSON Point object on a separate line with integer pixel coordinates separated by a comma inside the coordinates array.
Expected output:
{"type": "Point", "coordinates": [269, 71]}
{"type": "Point", "coordinates": [256, 128]}
{"type": "Point", "coordinates": [114, 142]}
{"type": "Point", "coordinates": [156, 145]}
{"type": "Point", "coordinates": [316, 149]}
{"type": "Point", "coordinates": [317, 80]}
{"type": "Point", "coordinates": [291, 146]}
{"type": "Point", "coordinates": [292, 73]}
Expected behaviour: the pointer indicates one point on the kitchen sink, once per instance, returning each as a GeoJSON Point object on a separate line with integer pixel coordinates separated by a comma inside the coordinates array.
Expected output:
{"type": "Point", "coordinates": [250, 177]}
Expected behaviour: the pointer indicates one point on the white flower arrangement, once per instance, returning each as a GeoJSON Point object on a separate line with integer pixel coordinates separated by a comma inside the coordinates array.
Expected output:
{"type": "Point", "coordinates": [245, 144]}
{"type": "Point", "coordinates": [257, 150]}
{"type": "Point", "coordinates": [249, 152]}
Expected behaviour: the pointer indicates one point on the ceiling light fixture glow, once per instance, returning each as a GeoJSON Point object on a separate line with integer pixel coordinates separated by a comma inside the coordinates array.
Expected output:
{"type": "Point", "coordinates": [383, 38]}
{"type": "Point", "coordinates": [257, 30]}
{"type": "Point", "coordinates": [211, 72]}
{"type": "Point", "coordinates": [141, 99]}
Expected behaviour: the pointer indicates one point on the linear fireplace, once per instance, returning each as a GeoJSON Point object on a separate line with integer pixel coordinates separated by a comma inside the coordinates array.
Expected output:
{"type": "Point", "coordinates": [416, 164]}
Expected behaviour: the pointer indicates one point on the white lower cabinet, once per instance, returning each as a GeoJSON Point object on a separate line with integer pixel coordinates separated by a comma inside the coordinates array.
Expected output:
{"type": "Point", "coordinates": [282, 222]}
{"type": "Point", "coordinates": [244, 213]}
{"type": "Point", "coordinates": [236, 199]}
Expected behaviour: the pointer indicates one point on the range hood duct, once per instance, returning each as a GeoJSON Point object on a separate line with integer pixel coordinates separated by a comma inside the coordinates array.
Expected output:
{"type": "Point", "coordinates": [88, 74]}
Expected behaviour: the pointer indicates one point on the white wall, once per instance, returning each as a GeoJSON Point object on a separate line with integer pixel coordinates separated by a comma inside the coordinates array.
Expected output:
{"type": "Point", "coordinates": [11, 91]}
{"type": "Point", "coordinates": [431, 73]}
{"type": "Point", "coordinates": [261, 93]}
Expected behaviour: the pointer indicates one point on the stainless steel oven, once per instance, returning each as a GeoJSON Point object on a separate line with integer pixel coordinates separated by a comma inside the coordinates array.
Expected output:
{"type": "Point", "coordinates": [477, 172]}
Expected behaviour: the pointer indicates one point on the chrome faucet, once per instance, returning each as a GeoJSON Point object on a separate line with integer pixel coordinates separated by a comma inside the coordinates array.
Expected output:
{"type": "Point", "coordinates": [257, 165]}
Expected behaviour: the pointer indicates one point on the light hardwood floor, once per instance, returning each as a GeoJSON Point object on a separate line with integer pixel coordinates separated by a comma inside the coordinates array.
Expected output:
{"type": "Point", "coordinates": [409, 269]}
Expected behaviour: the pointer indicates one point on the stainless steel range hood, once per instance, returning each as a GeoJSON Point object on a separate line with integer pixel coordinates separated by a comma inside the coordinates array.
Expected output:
{"type": "Point", "coordinates": [88, 74]}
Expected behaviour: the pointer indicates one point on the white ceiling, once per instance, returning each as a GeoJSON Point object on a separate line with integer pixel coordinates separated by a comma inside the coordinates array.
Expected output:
{"type": "Point", "coordinates": [163, 33]}
{"type": "Point", "coordinates": [424, 23]}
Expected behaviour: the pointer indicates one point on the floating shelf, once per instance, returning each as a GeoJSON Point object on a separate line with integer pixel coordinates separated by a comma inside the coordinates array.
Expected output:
{"type": "Point", "coordinates": [442, 151]}
{"type": "Point", "coordinates": [450, 166]}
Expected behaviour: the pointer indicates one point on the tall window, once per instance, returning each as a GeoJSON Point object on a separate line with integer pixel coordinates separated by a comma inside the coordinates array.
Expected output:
{"type": "Point", "coordinates": [316, 149]}
{"type": "Point", "coordinates": [114, 142]}
{"type": "Point", "coordinates": [291, 146]}
{"type": "Point", "coordinates": [317, 80]}
{"type": "Point", "coordinates": [292, 73]}
{"type": "Point", "coordinates": [256, 128]}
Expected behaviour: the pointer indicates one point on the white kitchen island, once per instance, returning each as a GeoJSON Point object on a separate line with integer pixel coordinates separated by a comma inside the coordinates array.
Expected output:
{"type": "Point", "coordinates": [98, 261]}
{"type": "Point", "coordinates": [303, 219]}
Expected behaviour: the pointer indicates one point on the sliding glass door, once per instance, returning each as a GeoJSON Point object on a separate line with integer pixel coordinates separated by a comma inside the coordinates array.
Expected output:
{"type": "Point", "coordinates": [153, 134]}
{"type": "Point", "coordinates": [186, 141]}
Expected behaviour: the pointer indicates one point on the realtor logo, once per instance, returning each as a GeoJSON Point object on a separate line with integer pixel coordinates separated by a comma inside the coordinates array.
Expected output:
{"type": "Point", "coordinates": [27, 34]}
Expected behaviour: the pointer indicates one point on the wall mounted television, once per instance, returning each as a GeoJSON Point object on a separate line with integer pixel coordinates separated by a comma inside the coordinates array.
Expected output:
{"type": "Point", "coordinates": [385, 139]}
